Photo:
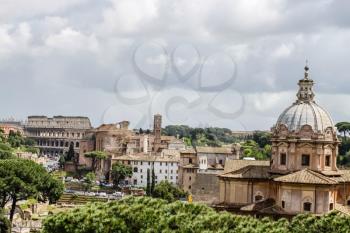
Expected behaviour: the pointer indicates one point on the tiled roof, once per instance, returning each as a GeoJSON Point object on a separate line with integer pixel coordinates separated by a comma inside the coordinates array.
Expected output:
{"type": "Point", "coordinates": [235, 164]}
{"type": "Point", "coordinates": [344, 176]}
{"type": "Point", "coordinates": [249, 172]}
{"type": "Point", "coordinates": [188, 151]}
{"type": "Point", "coordinates": [214, 150]}
{"type": "Point", "coordinates": [146, 157]}
{"type": "Point", "coordinates": [306, 176]}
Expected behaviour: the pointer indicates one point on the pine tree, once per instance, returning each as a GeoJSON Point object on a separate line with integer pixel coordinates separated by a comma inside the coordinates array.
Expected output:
{"type": "Point", "coordinates": [153, 182]}
{"type": "Point", "coordinates": [148, 189]}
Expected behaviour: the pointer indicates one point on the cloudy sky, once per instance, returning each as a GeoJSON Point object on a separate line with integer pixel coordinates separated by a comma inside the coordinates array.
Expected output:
{"type": "Point", "coordinates": [231, 64]}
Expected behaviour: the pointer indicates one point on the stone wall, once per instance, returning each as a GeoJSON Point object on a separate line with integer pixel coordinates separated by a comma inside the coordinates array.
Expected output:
{"type": "Point", "coordinates": [206, 188]}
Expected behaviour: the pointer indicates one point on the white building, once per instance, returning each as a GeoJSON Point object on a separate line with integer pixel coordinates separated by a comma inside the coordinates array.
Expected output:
{"type": "Point", "coordinates": [165, 167]}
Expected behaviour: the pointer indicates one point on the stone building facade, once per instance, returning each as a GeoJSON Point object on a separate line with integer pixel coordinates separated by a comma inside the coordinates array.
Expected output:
{"type": "Point", "coordinates": [54, 135]}
{"type": "Point", "coordinates": [8, 126]}
{"type": "Point", "coordinates": [199, 169]}
{"type": "Point", "coordinates": [302, 175]}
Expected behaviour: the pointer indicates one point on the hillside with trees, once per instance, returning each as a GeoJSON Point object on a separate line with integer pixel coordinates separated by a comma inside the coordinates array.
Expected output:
{"type": "Point", "coordinates": [155, 215]}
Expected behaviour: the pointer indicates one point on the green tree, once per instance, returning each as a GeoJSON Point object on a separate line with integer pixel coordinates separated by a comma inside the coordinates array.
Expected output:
{"type": "Point", "coordinates": [70, 153]}
{"type": "Point", "coordinates": [148, 187]}
{"type": "Point", "coordinates": [119, 172]}
{"type": "Point", "coordinates": [5, 226]}
{"type": "Point", "coordinates": [21, 179]}
{"type": "Point", "coordinates": [15, 139]}
{"type": "Point", "coordinates": [90, 179]}
{"type": "Point", "coordinates": [343, 127]}
{"type": "Point", "coordinates": [61, 161]}
{"type": "Point", "coordinates": [167, 191]}
{"type": "Point", "coordinates": [145, 214]}
{"type": "Point", "coordinates": [95, 156]}
{"type": "Point", "coordinates": [153, 181]}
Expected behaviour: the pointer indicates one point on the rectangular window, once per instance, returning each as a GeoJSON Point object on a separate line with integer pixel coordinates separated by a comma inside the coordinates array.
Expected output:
{"type": "Point", "coordinates": [331, 206]}
{"type": "Point", "coordinates": [305, 160]}
{"type": "Point", "coordinates": [307, 206]}
{"type": "Point", "coordinates": [328, 160]}
{"type": "Point", "coordinates": [160, 171]}
{"type": "Point", "coordinates": [283, 204]}
{"type": "Point", "coordinates": [283, 159]}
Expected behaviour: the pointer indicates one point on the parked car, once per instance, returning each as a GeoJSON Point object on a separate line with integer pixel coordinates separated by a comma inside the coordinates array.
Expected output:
{"type": "Point", "coordinates": [118, 194]}
{"type": "Point", "coordinates": [102, 194]}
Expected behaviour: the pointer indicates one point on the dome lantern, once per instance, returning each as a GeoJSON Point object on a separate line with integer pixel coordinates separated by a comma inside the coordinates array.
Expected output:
{"type": "Point", "coordinates": [305, 111]}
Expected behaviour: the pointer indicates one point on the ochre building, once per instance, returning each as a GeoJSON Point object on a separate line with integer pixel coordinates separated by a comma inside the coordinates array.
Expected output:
{"type": "Point", "coordinates": [302, 175]}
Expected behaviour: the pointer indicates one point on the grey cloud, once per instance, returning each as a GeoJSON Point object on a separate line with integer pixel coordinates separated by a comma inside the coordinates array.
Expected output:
{"type": "Point", "coordinates": [69, 59]}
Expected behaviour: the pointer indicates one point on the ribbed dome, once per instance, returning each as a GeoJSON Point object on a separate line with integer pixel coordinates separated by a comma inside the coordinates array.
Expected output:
{"type": "Point", "coordinates": [308, 113]}
{"type": "Point", "coordinates": [305, 111]}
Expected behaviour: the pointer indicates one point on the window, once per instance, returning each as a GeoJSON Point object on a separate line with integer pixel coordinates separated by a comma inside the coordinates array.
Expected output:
{"type": "Point", "coordinates": [283, 159]}
{"type": "Point", "coordinates": [149, 163]}
{"type": "Point", "coordinates": [171, 177]}
{"type": "Point", "coordinates": [283, 204]}
{"type": "Point", "coordinates": [328, 160]}
{"type": "Point", "coordinates": [190, 161]}
{"type": "Point", "coordinates": [160, 171]}
{"type": "Point", "coordinates": [141, 163]}
{"type": "Point", "coordinates": [166, 164]}
{"type": "Point", "coordinates": [348, 202]}
{"type": "Point", "coordinates": [330, 206]}
{"type": "Point", "coordinates": [189, 187]}
{"type": "Point", "coordinates": [190, 178]}
{"type": "Point", "coordinates": [307, 206]}
{"type": "Point", "coordinates": [171, 171]}
{"type": "Point", "coordinates": [166, 171]}
{"type": "Point", "coordinates": [160, 163]}
{"type": "Point", "coordinates": [135, 182]}
{"type": "Point", "coordinates": [258, 198]}
{"type": "Point", "coordinates": [166, 177]}
{"type": "Point", "coordinates": [220, 161]}
{"type": "Point", "coordinates": [141, 170]}
{"type": "Point", "coordinates": [135, 169]}
{"type": "Point", "coordinates": [171, 164]}
{"type": "Point", "coordinates": [141, 177]}
{"type": "Point", "coordinates": [305, 160]}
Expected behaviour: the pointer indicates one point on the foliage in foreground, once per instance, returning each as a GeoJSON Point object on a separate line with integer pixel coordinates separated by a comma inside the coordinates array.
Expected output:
{"type": "Point", "coordinates": [155, 215]}
{"type": "Point", "coordinates": [21, 179]}
{"type": "Point", "coordinates": [4, 223]}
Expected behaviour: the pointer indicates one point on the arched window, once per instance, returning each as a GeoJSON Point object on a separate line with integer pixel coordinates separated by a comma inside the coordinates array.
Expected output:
{"type": "Point", "coordinates": [135, 169]}
{"type": "Point", "coordinates": [77, 144]}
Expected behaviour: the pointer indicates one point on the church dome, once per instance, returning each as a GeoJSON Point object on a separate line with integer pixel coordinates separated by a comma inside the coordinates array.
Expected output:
{"type": "Point", "coordinates": [305, 111]}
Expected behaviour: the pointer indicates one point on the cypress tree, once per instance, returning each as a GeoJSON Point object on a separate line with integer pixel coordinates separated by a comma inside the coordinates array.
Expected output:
{"type": "Point", "coordinates": [153, 181]}
{"type": "Point", "coordinates": [148, 189]}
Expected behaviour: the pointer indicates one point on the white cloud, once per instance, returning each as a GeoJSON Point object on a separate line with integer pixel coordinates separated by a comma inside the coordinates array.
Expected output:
{"type": "Point", "coordinates": [71, 40]}
{"type": "Point", "coordinates": [87, 44]}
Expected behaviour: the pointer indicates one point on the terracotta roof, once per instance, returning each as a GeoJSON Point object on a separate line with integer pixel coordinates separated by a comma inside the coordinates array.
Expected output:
{"type": "Point", "coordinates": [249, 172]}
{"type": "Point", "coordinates": [214, 150]}
{"type": "Point", "coordinates": [235, 164]}
{"type": "Point", "coordinates": [190, 166]}
{"type": "Point", "coordinates": [306, 176]}
{"type": "Point", "coordinates": [188, 151]}
{"type": "Point", "coordinates": [146, 157]}
{"type": "Point", "coordinates": [344, 176]}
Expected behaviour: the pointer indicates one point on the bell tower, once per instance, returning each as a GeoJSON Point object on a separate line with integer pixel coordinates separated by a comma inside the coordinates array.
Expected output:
{"type": "Point", "coordinates": [157, 131]}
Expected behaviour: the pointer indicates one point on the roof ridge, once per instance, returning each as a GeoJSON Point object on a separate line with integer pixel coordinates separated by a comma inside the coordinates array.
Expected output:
{"type": "Point", "coordinates": [321, 176]}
